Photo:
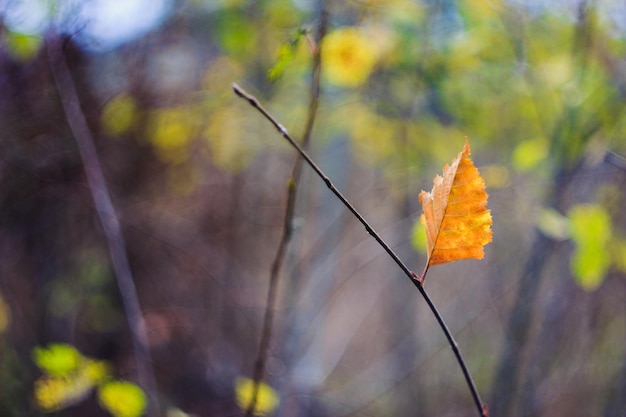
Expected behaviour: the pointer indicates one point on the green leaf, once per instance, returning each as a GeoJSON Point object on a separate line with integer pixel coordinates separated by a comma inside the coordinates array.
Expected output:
{"type": "Point", "coordinates": [57, 360]}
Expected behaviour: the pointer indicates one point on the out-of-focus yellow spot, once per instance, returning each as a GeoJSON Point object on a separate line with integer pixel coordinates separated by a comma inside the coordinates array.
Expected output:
{"type": "Point", "coordinates": [122, 399]}
{"type": "Point", "coordinates": [21, 46]}
{"type": "Point", "coordinates": [57, 359]}
{"type": "Point", "coordinates": [171, 132]}
{"type": "Point", "coordinates": [5, 316]}
{"type": "Point", "coordinates": [418, 237]}
{"type": "Point", "coordinates": [96, 371]}
{"type": "Point", "coordinates": [529, 153]}
{"type": "Point", "coordinates": [68, 376]}
{"type": "Point", "coordinates": [50, 393]}
{"type": "Point", "coordinates": [589, 265]}
{"type": "Point", "coordinates": [590, 229]}
{"type": "Point", "coordinates": [557, 71]}
{"type": "Point", "coordinates": [53, 393]}
{"type": "Point", "coordinates": [496, 176]}
{"type": "Point", "coordinates": [348, 57]}
{"type": "Point", "coordinates": [118, 114]}
{"type": "Point", "coordinates": [266, 401]}
{"type": "Point", "coordinates": [229, 149]}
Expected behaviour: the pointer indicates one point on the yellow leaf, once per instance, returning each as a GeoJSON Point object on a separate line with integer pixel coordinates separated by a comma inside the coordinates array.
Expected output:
{"type": "Point", "coordinates": [455, 217]}
{"type": "Point", "coordinates": [56, 392]}
{"type": "Point", "coordinates": [349, 57]}
{"type": "Point", "coordinates": [122, 399]}
{"type": "Point", "coordinates": [266, 398]}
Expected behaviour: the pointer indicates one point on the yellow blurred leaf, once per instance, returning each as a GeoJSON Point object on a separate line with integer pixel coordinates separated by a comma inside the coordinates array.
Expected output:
{"type": "Point", "coordinates": [455, 217]}
{"type": "Point", "coordinates": [54, 393]}
{"type": "Point", "coordinates": [122, 399]}
{"type": "Point", "coordinates": [266, 401]}
{"type": "Point", "coordinates": [348, 57]}
{"type": "Point", "coordinates": [226, 136]}
{"type": "Point", "coordinates": [171, 132]}
{"type": "Point", "coordinates": [118, 114]}
{"type": "Point", "coordinates": [591, 230]}
{"type": "Point", "coordinates": [589, 265]}
{"type": "Point", "coordinates": [527, 154]}
{"type": "Point", "coordinates": [418, 237]}
{"type": "Point", "coordinates": [68, 376]}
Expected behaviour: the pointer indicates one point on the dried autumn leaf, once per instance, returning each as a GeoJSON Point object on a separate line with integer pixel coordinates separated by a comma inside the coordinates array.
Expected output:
{"type": "Point", "coordinates": [456, 218]}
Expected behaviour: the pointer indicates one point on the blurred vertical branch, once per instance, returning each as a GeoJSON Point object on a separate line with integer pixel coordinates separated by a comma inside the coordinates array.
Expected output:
{"type": "Point", "coordinates": [106, 213]}
{"type": "Point", "coordinates": [569, 142]}
{"type": "Point", "coordinates": [292, 193]}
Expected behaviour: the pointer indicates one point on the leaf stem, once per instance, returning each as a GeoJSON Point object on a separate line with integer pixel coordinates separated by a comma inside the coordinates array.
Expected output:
{"type": "Point", "coordinates": [416, 280]}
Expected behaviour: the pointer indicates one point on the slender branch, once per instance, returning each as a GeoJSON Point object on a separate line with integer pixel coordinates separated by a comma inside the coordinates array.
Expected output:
{"type": "Point", "coordinates": [416, 280]}
{"type": "Point", "coordinates": [292, 193]}
{"type": "Point", "coordinates": [106, 213]}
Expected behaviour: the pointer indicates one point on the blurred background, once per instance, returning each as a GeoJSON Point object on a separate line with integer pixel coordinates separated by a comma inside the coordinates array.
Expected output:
{"type": "Point", "coordinates": [199, 179]}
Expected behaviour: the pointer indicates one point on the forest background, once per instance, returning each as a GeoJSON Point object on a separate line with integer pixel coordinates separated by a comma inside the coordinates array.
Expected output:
{"type": "Point", "coordinates": [198, 181]}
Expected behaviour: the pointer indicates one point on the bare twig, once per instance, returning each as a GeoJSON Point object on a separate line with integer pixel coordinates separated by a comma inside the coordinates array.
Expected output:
{"type": "Point", "coordinates": [292, 192]}
{"type": "Point", "coordinates": [416, 280]}
{"type": "Point", "coordinates": [106, 213]}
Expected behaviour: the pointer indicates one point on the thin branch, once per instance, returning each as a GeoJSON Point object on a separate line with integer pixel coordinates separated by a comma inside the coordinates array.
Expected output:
{"type": "Point", "coordinates": [416, 280]}
{"type": "Point", "coordinates": [292, 193]}
{"type": "Point", "coordinates": [106, 213]}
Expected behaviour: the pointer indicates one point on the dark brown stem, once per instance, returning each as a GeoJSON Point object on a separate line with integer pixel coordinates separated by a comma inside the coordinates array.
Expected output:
{"type": "Point", "coordinates": [292, 193]}
{"type": "Point", "coordinates": [416, 280]}
{"type": "Point", "coordinates": [107, 215]}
